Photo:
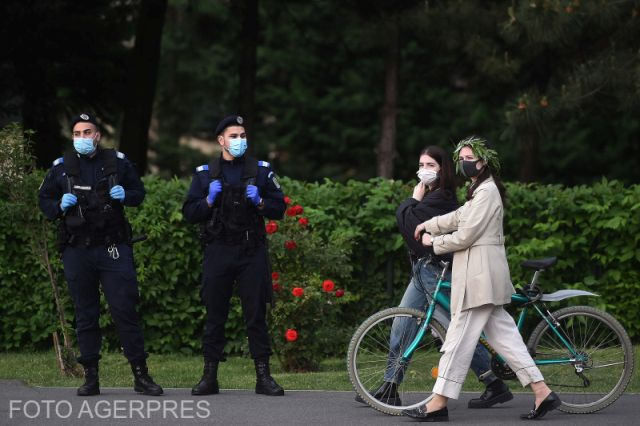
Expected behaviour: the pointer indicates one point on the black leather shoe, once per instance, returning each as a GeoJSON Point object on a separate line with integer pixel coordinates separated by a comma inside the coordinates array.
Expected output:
{"type": "Point", "coordinates": [387, 393]}
{"type": "Point", "coordinates": [421, 415]}
{"type": "Point", "coordinates": [91, 385]}
{"type": "Point", "coordinates": [551, 402]}
{"type": "Point", "coordinates": [208, 384]}
{"type": "Point", "coordinates": [265, 384]}
{"type": "Point", "coordinates": [495, 393]}
{"type": "Point", "coordinates": [142, 382]}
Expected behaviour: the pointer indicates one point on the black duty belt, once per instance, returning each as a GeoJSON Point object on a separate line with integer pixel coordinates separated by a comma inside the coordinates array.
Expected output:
{"type": "Point", "coordinates": [94, 240]}
{"type": "Point", "coordinates": [237, 238]}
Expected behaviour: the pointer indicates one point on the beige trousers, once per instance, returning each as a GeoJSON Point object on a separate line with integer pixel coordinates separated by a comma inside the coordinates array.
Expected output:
{"type": "Point", "coordinates": [462, 336]}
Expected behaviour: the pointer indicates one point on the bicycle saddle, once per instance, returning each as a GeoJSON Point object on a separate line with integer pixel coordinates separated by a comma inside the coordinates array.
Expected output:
{"type": "Point", "coordinates": [539, 263]}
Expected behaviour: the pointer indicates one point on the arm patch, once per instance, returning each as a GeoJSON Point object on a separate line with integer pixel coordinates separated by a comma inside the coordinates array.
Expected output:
{"type": "Point", "coordinates": [273, 178]}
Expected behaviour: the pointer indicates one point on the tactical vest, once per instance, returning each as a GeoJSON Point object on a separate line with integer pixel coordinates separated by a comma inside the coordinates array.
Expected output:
{"type": "Point", "coordinates": [96, 219]}
{"type": "Point", "coordinates": [234, 219]}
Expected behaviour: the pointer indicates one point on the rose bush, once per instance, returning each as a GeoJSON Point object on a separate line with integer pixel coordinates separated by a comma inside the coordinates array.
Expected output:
{"type": "Point", "coordinates": [306, 305]}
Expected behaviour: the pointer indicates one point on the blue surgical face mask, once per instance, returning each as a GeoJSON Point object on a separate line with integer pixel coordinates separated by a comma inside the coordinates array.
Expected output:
{"type": "Point", "coordinates": [84, 146]}
{"type": "Point", "coordinates": [237, 147]}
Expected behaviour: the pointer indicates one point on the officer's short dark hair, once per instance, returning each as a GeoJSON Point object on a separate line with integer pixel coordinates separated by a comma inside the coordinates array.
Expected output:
{"type": "Point", "coordinates": [84, 117]}
{"type": "Point", "coordinates": [230, 120]}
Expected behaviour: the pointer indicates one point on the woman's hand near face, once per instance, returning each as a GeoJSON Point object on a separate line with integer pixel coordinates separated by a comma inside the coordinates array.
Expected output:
{"type": "Point", "coordinates": [418, 191]}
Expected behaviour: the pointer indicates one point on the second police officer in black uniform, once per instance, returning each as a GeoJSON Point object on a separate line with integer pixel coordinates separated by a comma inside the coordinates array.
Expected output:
{"type": "Point", "coordinates": [229, 198]}
{"type": "Point", "coordinates": [86, 190]}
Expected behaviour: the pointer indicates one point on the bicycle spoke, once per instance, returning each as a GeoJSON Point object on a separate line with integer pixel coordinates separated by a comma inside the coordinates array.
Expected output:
{"type": "Point", "coordinates": [372, 360]}
{"type": "Point", "coordinates": [602, 367]}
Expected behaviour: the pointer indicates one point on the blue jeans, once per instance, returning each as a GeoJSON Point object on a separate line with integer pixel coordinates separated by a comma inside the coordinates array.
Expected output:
{"type": "Point", "coordinates": [418, 295]}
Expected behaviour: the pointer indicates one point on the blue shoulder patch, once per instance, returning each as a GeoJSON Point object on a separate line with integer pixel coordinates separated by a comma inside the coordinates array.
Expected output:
{"type": "Point", "coordinates": [263, 164]}
{"type": "Point", "coordinates": [58, 161]}
{"type": "Point", "coordinates": [202, 168]}
{"type": "Point", "coordinates": [120, 155]}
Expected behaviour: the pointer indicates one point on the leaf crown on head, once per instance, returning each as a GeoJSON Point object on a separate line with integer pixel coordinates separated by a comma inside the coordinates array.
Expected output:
{"type": "Point", "coordinates": [479, 147]}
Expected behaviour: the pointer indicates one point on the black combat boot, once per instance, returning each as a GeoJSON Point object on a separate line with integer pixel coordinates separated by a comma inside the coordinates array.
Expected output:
{"type": "Point", "coordinates": [386, 393]}
{"type": "Point", "coordinates": [208, 384]}
{"type": "Point", "coordinates": [142, 382]}
{"type": "Point", "coordinates": [264, 382]}
{"type": "Point", "coordinates": [497, 392]}
{"type": "Point", "coordinates": [91, 384]}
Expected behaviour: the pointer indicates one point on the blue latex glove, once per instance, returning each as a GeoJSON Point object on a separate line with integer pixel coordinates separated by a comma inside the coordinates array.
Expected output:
{"type": "Point", "coordinates": [117, 193]}
{"type": "Point", "coordinates": [68, 200]}
{"type": "Point", "coordinates": [215, 188]}
{"type": "Point", "coordinates": [253, 194]}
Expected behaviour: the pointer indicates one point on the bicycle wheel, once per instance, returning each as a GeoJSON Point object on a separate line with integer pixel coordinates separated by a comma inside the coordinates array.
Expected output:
{"type": "Point", "coordinates": [372, 358]}
{"type": "Point", "coordinates": [601, 371]}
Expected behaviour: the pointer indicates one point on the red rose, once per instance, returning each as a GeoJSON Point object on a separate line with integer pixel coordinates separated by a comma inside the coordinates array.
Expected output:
{"type": "Point", "coordinates": [276, 287]}
{"type": "Point", "coordinates": [297, 291]}
{"type": "Point", "coordinates": [291, 335]}
{"type": "Point", "coordinates": [294, 210]}
{"type": "Point", "coordinates": [287, 200]}
{"type": "Point", "coordinates": [271, 227]}
{"type": "Point", "coordinates": [290, 245]}
{"type": "Point", "coordinates": [339, 292]}
{"type": "Point", "coordinates": [275, 275]}
{"type": "Point", "coordinates": [328, 285]}
{"type": "Point", "coordinates": [303, 221]}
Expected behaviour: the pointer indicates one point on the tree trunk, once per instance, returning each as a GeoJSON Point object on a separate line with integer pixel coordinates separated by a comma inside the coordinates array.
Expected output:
{"type": "Point", "coordinates": [64, 352]}
{"type": "Point", "coordinates": [528, 154]}
{"type": "Point", "coordinates": [248, 63]}
{"type": "Point", "coordinates": [134, 139]}
{"type": "Point", "coordinates": [387, 146]}
{"type": "Point", "coordinates": [37, 115]}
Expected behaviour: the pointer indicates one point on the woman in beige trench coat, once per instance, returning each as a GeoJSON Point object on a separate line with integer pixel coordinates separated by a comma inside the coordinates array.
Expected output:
{"type": "Point", "coordinates": [481, 285]}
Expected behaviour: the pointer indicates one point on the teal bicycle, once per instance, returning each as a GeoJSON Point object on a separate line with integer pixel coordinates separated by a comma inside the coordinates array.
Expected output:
{"type": "Point", "coordinates": [585, 355]}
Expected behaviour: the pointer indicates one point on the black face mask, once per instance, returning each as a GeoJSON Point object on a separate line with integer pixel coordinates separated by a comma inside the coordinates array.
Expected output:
{"type": "Point", "coordinates": [468, 168]}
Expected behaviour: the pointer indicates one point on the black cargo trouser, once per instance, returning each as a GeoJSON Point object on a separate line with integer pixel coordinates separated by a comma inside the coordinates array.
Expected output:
{"type": "Point", "coordinates": [223, 266]}
{"type": "Point", "coordinates": [85, 268]}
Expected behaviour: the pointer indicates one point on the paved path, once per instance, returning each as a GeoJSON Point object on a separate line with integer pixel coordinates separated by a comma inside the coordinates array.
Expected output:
{"type": "Point", "coordinates": [24, 405]}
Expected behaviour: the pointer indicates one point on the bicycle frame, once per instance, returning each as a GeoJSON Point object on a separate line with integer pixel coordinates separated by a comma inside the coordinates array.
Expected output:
{"type": "Point", "coordinates": [519, 300]}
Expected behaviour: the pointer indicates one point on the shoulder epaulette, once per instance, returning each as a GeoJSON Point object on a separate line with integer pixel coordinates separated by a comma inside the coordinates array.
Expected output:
{"type": "Point", "coordinates": [120, 155]}
{"type": "Point", "coordinates": [58, 161]}
{"type": "Point", "coordinates": [202, 168]}
{"type": "Point", "coordinates": [263, 164]}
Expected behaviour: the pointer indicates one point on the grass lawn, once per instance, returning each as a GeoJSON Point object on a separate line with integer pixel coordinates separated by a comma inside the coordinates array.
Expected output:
{"type": "Point", "coordinates": [179, 371]}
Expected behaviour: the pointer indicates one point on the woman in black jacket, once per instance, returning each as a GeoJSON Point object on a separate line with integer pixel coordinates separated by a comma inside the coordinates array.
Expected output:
{"type": "Point", "coordinates": [434, 195]}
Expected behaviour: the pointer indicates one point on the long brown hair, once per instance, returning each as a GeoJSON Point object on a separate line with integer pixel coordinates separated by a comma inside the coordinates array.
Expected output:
{"type": "Point", "coordinates": [446, 176]}
{"type": "Point", "coordinates": [484, 175]}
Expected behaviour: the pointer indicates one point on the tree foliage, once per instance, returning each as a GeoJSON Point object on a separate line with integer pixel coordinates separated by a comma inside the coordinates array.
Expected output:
{"type": "Point", "coordinates": [552, 83]}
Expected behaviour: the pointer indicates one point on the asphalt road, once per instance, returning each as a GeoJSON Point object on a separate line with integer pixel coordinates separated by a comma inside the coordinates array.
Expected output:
{"type": "Point", "coordinates": [24, 405]}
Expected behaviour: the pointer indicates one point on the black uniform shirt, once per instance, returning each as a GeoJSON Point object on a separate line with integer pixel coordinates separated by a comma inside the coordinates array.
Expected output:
{"type": "Point", "coordinates": [91, 172]}
{"type": "Point", "coordinates": [196, 209]}
{"type": "Point", "coordinates": [411, 213]}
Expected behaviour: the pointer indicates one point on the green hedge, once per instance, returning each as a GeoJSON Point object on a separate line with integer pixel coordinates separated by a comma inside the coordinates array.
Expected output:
{"type": "Point", "coordinates": [593, 230]}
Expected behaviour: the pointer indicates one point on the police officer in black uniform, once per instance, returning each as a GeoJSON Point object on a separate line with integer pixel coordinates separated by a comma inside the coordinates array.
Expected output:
{"type": "Point", "coordinates": [229, 198]}
{"type": "Point", "coordinates": [86, 190]}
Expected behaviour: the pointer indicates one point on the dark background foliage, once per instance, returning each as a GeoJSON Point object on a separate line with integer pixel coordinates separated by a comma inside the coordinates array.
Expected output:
{"type": "Point", "coordinates": [338, 89]}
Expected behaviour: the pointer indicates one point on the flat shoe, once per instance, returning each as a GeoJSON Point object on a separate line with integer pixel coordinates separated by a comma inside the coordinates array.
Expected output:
{"type": "Point", "coordinates": [551, 402]}
{"type": "Point", "coordinates": [421, 414]}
